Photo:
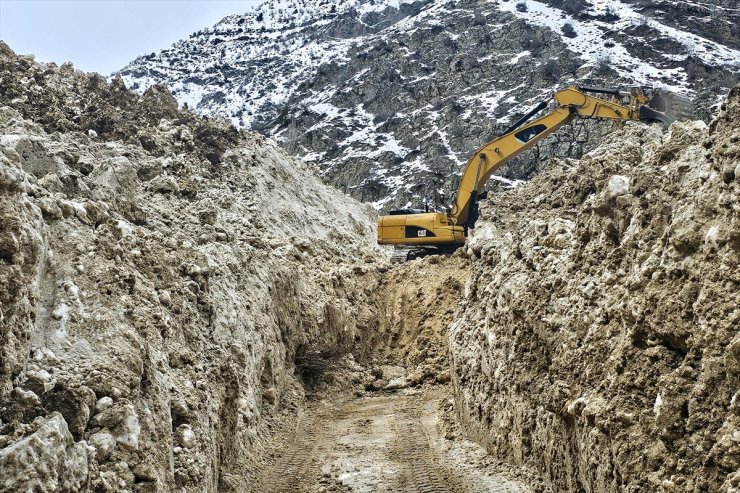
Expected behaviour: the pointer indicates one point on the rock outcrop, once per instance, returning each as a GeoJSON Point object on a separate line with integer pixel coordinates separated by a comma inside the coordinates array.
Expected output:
{"type": "Point", "coordinates": [598, 338]}
{"type": "Point", "coordinates": [159, 275]}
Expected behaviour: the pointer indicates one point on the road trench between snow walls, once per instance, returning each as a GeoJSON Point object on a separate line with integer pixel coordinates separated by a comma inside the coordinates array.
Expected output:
{"type": "Point", "coordinates": [172, 289]}
{"type": "Point", "coordinates": [186, 308]}
{"type": "Point", "coordinates": [164, 317]}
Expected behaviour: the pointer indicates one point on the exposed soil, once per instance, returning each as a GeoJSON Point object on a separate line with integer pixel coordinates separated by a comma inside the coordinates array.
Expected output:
{"type": "Point", "coordinates": [415, 303]}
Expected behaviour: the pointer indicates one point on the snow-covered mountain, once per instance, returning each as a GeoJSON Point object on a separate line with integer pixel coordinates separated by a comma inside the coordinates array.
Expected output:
{"type": "Point", "coordinates": [389, 97]}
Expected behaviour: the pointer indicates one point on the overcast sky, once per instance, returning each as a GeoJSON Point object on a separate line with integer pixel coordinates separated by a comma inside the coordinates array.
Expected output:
{"type": "Point", "coordinates": [104, 35]}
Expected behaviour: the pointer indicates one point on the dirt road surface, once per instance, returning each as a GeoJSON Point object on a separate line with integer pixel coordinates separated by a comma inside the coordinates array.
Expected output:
{"type": "Point", "coordinates": [381, 443]}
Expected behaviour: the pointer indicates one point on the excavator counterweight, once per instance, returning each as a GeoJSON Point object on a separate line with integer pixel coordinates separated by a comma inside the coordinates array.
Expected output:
{"type": "Point", "coordinates": [425, 228]}
{"type": "Point", "coordinates": [444, 231]}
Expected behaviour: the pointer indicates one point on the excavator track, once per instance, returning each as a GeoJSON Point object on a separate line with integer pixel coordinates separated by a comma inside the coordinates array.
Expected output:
{"type": "Point", "coordinates": [404, 254]}
{"type": "Point", "coordinates": [400, 255]}
{"type": "Point", "coordinates": [298, 464]}
{"type": "Point", "coordinates": [426, 472]}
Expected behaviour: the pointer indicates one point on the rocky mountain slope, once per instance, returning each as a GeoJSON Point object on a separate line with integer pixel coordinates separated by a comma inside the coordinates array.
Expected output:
{"type": "Point", "coordinates": [390, 97]}
{"type": "Point", "coordinates": [598, 339]}
{"type": "Point", "coordinates": [162, 277]}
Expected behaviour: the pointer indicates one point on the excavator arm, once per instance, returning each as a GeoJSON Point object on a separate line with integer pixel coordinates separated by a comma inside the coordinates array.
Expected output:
{"type": "Point", "coordinates": [445, 231]}
{"type": "Point", "coordinates": [572, 103]}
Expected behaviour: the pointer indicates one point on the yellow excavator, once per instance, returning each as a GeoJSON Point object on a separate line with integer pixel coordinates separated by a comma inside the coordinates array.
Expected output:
{"type": "Point", "coordinates": [416, 232]}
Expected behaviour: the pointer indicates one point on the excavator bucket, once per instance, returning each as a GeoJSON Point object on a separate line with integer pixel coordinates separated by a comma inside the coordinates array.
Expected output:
{"type": "Point", "coordinates": [666, 107]}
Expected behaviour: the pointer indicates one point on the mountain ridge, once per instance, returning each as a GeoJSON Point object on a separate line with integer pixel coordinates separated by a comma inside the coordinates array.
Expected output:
{"type": "Point", "coordinates": [389, 98]}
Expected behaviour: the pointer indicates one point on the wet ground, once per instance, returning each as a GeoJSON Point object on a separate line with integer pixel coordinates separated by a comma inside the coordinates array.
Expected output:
{"type": "Point", "coordinates": [381, 443]}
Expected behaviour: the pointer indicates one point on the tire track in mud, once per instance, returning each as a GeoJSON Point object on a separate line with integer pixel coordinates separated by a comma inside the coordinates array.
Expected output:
{"type": "Point", "coordinates": [293, 469]}
{"type": "Point", "coordinates": [425, 469]}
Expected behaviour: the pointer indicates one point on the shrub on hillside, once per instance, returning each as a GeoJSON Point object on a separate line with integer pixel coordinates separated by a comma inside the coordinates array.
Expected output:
{"type": "Point", "coordinates": [568, 30]}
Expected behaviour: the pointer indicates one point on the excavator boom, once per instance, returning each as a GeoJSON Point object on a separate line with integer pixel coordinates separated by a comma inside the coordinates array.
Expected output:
{"type": "Point", "coordinates": [440, 229]}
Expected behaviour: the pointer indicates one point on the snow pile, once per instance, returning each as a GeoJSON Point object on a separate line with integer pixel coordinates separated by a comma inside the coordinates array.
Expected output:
{"type": "Point", "coordinates": [159, 275]}
{"type": "Point", "coordinates": [598, 339]}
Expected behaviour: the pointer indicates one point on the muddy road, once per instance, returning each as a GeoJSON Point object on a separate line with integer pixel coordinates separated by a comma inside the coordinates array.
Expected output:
{"type": "Point", "coordinates": [381, 443]}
